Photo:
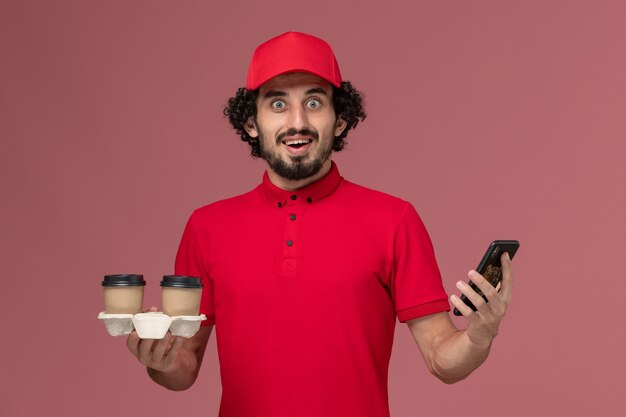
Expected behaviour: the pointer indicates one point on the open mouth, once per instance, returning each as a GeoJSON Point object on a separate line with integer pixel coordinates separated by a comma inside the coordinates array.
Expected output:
{"type": "Point", "coordinates": [297, 143]}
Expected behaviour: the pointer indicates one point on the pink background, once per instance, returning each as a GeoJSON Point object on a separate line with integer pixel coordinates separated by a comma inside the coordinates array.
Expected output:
{"type": "Point", "coordinates": [496, 119]}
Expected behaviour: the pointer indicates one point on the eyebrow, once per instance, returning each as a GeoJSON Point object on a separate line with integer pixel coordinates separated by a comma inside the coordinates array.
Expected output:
{"type": "Point", "coordinates": [316, 90]}
{"type": "Point", "coordinates": [276, 93]}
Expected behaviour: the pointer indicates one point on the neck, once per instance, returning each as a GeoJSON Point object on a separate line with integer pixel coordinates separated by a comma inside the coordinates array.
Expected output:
{"type": "Point", "coordinates": [291, 185]}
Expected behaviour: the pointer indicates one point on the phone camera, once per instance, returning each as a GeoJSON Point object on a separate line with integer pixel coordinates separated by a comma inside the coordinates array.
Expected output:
{"type": "Point", "coordinates": [495, 252]}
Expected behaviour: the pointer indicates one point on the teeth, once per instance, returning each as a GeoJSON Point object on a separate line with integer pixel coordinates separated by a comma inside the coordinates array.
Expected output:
{"type": "Point", "coordinates": [297, 141]}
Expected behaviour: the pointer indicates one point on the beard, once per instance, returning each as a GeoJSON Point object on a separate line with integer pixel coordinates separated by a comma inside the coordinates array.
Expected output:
{"type": "Point", "coordinates": [296, 167]}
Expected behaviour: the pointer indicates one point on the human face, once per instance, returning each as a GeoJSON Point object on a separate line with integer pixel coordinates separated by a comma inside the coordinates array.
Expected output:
{"type": "Point", "coordinates": [296, 125]}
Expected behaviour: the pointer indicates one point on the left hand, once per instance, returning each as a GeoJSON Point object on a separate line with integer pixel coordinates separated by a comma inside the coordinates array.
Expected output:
{"type": "Point", "coordinates": [485, 321]}
{"type": "Point", "coordinates": [158, 354]}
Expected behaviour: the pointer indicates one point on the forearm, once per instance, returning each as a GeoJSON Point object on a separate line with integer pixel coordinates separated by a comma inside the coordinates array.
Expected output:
{"type": "Point", "coordinates": [455, 356]}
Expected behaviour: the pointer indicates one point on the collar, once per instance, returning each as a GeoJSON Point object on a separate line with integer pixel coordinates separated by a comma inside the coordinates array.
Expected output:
{"type": "Point", "coordinates": [311, 193]}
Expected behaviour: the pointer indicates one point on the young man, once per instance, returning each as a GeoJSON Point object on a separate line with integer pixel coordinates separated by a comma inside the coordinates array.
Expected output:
{"type": "Point", "coordinates": [305, 275]}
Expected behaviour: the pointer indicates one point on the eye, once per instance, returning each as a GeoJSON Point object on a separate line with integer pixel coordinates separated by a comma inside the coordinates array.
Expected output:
{"type": "Point", "coordinates": [313, 103]}
{"type": "Point", "coordinates": [278, 105]}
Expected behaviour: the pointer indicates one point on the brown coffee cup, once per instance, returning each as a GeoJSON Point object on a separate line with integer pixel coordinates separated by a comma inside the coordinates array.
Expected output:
{"type": "Point", "coordinates": [181, 295]}
{"type": "Point", "coordinates": [123, 293]}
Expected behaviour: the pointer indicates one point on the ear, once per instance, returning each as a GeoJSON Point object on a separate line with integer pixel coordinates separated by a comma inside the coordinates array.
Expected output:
{"type": "Point", "coordinates": [340, 125]}
{"type": "Point", "coordinates": [251, 128]}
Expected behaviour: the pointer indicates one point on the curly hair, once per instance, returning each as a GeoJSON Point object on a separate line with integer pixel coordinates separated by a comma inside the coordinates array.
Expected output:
{"type": "Point", "coordinates": [347, 102]}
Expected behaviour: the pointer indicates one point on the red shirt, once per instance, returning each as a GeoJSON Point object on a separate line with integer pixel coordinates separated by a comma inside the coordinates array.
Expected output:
{"type": "Point", "coordinates": [304, 288]}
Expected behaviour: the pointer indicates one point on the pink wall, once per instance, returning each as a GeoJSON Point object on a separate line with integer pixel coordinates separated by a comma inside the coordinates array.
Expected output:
{"type": "Point", "coordinates": [496, 119]}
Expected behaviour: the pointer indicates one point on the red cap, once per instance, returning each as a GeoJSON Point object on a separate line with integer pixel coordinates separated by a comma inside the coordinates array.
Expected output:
{"type": "Point", "coordinates": [293, 52]}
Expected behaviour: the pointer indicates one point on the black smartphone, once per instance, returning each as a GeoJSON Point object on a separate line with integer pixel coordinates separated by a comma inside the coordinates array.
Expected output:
{"type": "Point", "coordinates": [490, 267]}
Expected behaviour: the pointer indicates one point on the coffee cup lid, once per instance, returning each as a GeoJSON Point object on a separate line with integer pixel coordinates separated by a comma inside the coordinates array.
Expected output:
{"type": "Point", "coordinates": [123, 280]}
{"type": "Point", "coordinates": [181, 281]}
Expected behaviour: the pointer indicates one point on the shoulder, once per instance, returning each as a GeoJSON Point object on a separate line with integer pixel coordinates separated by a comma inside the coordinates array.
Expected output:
{"type": "Point", "coordinates": [381, 212]}
{"type": "Point", "coordinates": [373, 199]}
{"type": "Point", "coordinates": [221, 209]}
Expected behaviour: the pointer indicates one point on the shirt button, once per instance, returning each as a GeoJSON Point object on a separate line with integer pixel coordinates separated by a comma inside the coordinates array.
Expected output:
{"type": "Point", "coordinates": [289, 243]}
{"type": "Point", "coordinates": [280, 205]}
{"type": "Point", "coordinates": [293, 197]}
{"type": "Point", "coordinates": [292, 216]}
{"type": "Point", "coordinates": [309, 200]}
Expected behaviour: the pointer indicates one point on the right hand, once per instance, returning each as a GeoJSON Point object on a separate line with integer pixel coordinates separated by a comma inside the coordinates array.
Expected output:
{"type": "Point", "coordinates": [158, 354]}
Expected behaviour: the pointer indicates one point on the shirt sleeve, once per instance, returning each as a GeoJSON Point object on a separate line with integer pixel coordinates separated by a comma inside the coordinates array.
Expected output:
{"type": "Point", "coordinates": [190, 261]}
{"type": "Point", "coordinates": [417, 289]}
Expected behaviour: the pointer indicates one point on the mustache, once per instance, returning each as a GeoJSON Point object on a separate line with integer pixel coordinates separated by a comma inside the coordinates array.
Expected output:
{"type": "Point", "coordinates": [294, 132]}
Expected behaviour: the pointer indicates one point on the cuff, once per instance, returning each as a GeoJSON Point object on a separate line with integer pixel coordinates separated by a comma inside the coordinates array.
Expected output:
{"type": "Point", "coordinates": [421, 310]}
{"type": "Point", "coordinates": [210, 320]}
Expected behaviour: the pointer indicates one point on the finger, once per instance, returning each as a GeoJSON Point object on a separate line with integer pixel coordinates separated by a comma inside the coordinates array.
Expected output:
{"type": "Point", "coordinates": [153, 309]}
{"type": "Point", "coordinates": [461, 306]}
{"type": "Point", "coordinates": [470, 293]}
{"type": "Point", "coordinates": [173, 353]}
{"type": "Point", "coordinates": [485, 286]}
{"type": "Point", "coordinates": [161, 347]}
{"type": "Point", "coordinates": [507, 278]}
{"type": "Point", "coordinates": [145, 350]}
{"type": "Point", "coordinates": [133, 343]}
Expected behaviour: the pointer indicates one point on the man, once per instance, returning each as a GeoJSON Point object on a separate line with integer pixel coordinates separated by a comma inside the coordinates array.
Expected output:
{"type": "Point", "coordinates": [305, 275]}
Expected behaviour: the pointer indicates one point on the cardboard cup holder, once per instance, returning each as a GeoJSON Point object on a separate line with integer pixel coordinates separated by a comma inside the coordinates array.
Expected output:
{"type": "Point", "coordinates": [151, 325]}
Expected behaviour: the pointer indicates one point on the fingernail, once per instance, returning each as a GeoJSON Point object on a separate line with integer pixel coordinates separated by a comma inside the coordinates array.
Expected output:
{"type": "Point", "coordinates": [460, 284]}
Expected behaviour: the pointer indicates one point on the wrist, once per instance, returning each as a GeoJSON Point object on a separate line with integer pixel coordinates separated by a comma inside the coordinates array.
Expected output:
{"type": "Point", "coordinates": [478, 341]}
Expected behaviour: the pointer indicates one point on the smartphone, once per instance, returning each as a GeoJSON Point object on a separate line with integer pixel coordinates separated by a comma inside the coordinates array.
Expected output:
{"type": "Point", "coordinates": [490, 267]}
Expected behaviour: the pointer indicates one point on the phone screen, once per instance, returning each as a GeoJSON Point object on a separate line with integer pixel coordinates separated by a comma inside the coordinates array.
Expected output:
{"type": "Point", "coordinates": [493, 274]}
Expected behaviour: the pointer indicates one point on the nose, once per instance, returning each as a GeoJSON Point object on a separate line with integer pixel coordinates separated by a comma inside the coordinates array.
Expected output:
{"type": "Point", "coordinates": [298, 118]}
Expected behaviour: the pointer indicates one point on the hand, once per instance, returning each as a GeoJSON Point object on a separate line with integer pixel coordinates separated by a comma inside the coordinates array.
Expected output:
{"type": "Point", "coordinates": [485, 321]}
{"type": "Point", "coordinates": [159, 355]}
